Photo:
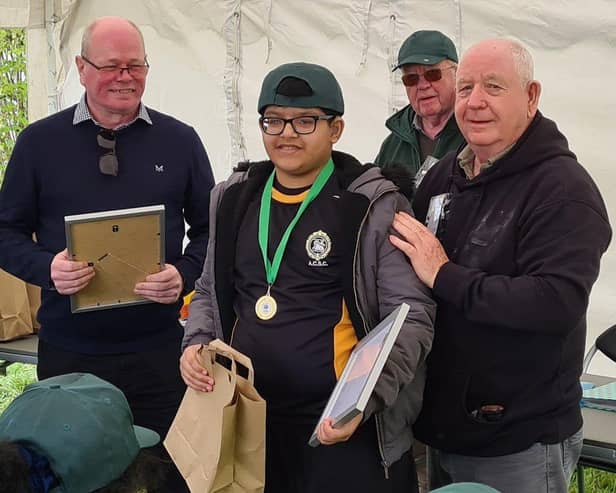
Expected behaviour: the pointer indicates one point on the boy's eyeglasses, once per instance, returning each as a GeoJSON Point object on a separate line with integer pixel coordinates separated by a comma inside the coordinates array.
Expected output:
{"type": "Point", "coordinates": [431, 75]}
{"type": "Point", "coordinates": [108, 162]}
{"type": "Point", "coordinates": [301, 125]}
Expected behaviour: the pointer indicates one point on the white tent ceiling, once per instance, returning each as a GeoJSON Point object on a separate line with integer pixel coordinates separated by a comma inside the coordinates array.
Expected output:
{"type": "Point", "coordinates": [208, 59]}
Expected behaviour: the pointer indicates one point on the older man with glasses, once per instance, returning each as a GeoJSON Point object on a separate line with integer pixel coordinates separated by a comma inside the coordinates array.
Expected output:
{"type": "Point", "coordinates": [425, 130]}
{"type": "Point", "coordinates": [109, 152]}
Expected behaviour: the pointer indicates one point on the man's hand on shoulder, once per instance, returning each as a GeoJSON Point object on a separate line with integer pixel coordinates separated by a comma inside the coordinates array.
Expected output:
{"type": "Point", "coordinates": [193, 373]}
{"type": "Point", "coordinates": [423, 249]}
{"type": "Point", "coordinates": [69, 276]}
{"type": "Point", "coordinates": [162, 287]}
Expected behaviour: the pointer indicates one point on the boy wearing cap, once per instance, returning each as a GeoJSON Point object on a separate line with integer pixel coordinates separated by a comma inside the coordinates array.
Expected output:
{"type": "Point", "coordinates": [425, 130]}
{"type": "Point", "coordinates": [298, 269]}
{"type": "Point", "coordinates": [72, 433]}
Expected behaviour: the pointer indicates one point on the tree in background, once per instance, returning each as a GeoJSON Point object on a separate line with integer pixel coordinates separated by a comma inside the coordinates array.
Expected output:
{"type": "Point", "coordinates": [13, 118]}
{"type": "Point", "coordinates": [13, 91]}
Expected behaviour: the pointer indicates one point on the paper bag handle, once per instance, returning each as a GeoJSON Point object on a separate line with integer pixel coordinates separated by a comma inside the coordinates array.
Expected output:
{"type": "Point", "coordinates": [242, 359]}
{"type": "Point", "coordinates": [206, 359]}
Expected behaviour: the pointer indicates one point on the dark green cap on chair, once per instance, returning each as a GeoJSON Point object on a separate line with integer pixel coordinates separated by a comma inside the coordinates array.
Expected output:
{"type": "Point", "coordinates": [426, 48]}
{"type": "Point", "coordinates": [319, 88]}
{"type": "Point", "coordinates": [82, 424]}
{"type": "Point", "coordinates": [465, 488]}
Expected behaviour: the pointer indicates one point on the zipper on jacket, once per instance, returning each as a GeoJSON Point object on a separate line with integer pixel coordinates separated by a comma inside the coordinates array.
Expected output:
{"type": "Point", "coordinates": [379, 441]}
{"type": "Point", "coordinates": [361, 226]}
{"type": "Point", "coordinates": [377, 419]}
{"type": "Point", "coordinates": [386, 469]}
{"type": "Point", "coordinates": [233, 331]}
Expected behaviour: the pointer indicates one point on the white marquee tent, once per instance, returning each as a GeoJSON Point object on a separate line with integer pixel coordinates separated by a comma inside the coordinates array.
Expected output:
{"type": "Point", "coordinates": [208, 58]}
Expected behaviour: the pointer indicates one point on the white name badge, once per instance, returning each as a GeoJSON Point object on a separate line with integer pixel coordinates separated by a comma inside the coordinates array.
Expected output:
{"type": "Point", "coordinates": [424, 168]}
{"type": "Point", "coordinates": [437, 211]}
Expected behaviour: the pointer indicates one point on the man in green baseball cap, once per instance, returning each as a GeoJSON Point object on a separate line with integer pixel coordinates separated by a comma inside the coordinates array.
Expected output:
{"type": "Point", "coordinates": [425, 130]}
{"type": "Point", "coordinates": [299, 268]}
{"type": "Point", "coordinates": [72, 433]}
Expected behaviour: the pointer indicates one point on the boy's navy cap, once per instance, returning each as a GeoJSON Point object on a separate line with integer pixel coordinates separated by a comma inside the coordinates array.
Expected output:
{"type": "Point", "coordinates": [426, 48]}
{"type": "Point", "coordinates": [82, 424]}
{"type": "Point", "coordinates": [325, 90]}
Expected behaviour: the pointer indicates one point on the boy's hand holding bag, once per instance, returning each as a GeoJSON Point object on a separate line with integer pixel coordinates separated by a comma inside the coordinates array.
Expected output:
{"type": "Point", "coordinates": [217, 439]}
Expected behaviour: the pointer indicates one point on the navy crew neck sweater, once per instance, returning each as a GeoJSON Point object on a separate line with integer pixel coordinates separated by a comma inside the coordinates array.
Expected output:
{"type": "Point", "coordinates": [54, 172]}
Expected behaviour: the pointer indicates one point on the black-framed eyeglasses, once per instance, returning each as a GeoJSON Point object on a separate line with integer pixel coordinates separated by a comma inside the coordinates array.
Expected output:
{"type": "Point", "coordinates": [108, 162]}
{"type": "Point", "coordinates": [301, 125]}
{"type": "Point", "coordinates": [134, 69]}
{"type": "Point", "coordinates": [431, 75]}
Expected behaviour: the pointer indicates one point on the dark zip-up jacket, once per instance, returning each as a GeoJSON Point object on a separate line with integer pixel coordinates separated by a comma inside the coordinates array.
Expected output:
{"type": "Point", "coordinates": [525, 239]}
{"type": "Point", "coordinates": [401, 147]}
{"type": "Point", "coordinates": [376, 279]}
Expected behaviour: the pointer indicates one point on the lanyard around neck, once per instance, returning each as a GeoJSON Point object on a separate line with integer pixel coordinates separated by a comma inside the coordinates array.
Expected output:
{"type": "Point", "coordinates": [271, 268]}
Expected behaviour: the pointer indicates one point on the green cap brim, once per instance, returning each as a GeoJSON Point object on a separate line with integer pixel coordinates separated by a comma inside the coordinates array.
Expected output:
{"type": "Point", "coordinates": [146, 437]}
{"type": "Point", "coordinates": [420, 60]}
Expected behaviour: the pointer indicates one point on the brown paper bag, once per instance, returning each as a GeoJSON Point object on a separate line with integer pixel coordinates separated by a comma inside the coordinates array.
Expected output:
{"type": "Point", "coordinates": [15, 318]}
{"type": "Point", "coordinates": [217, 439]}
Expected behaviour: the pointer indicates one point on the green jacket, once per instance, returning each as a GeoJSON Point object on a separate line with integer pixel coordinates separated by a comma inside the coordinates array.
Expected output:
{"type": "Point", "coordinates": [401, 147]}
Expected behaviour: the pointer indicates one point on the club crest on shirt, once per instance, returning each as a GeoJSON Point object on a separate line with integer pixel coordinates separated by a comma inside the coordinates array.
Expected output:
{"type": "Point", "coordinates": [318, 246]}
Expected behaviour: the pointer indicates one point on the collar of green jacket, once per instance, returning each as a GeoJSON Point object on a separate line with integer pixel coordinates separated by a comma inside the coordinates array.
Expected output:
{"type": "Point", "coordinates": [401, 125]}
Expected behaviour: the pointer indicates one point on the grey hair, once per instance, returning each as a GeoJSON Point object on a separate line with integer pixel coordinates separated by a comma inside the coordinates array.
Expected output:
{"type": "Point", "coordinates": [87, 35]}
{"type": "Point", "coordinates": [522, 61]}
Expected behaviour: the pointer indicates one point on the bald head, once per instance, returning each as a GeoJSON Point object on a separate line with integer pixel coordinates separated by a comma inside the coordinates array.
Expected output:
{"type": "Point", "coordinates": [113, 69]}
{"type": "Point", "coordinates": [104, 26]}
{"type": "Point", "coordinates": [496, 96]}
{"type": "Point", "coordinates": [520, 56]}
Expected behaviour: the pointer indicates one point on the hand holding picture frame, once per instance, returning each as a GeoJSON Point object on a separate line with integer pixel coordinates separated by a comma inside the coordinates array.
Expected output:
{"type": "Point", "coordinates": [124, 246]}
{"type": "Point", "coordinates": [362, 371]}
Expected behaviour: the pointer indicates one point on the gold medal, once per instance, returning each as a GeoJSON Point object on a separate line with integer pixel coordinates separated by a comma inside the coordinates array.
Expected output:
{"type": "Point", "coordinates": [266, 307]}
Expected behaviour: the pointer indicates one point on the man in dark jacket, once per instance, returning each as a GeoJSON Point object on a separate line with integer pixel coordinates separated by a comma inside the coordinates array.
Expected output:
{"type": "Point", "coordinates": [299, 268]}
{"type": "Point", "coordinates": [425, 130]}
{"type": "Point", "coordinates": [520, 230]}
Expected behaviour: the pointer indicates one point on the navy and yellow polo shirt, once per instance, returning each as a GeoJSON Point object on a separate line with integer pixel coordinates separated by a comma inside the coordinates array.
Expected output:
{"type": "Point", "coordinates": [299, 354]}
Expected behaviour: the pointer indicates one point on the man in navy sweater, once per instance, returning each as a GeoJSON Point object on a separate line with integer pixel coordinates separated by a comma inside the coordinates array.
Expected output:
{"type": "Point", "coordinates": [109, 152]}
